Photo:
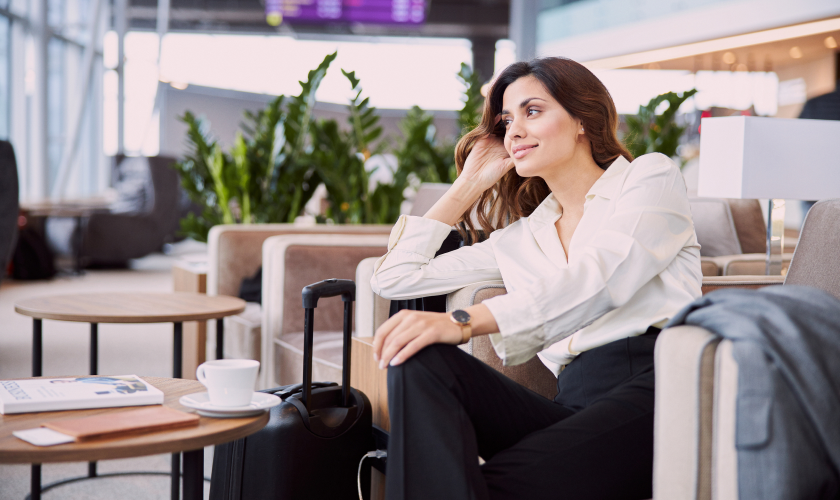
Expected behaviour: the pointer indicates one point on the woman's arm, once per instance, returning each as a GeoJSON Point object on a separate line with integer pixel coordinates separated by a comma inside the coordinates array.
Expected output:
{"type": "Point", "coordinates": [410, 269]}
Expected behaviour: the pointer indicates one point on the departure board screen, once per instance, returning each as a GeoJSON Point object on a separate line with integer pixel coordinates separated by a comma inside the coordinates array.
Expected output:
{"type": "Point", "coordinates": [348, 11]}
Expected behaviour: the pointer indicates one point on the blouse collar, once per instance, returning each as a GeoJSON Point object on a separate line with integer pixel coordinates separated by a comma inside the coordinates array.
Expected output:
{"type": "Point", "coordinates": [606, 186]}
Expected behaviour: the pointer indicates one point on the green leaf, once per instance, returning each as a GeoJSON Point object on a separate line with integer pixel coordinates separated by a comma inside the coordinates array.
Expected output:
{"type": "Point", "coordinates": [649, 132]}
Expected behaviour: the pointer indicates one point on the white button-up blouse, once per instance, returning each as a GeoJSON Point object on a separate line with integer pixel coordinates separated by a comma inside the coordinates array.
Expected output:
{"type": "Point", "coordinates": [633, 262]}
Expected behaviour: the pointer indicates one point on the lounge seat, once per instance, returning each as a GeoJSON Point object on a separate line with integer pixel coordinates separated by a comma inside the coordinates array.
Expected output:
{"type": "Point", "coordinates": [696, 379]}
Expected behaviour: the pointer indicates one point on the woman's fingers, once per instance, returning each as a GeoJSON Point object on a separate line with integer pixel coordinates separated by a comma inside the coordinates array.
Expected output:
{"type": "Point", "coordinates": [384, 330]}
{"type": "Point", "coordinates": [411, 349]}
{"type": "Point", "coordinates": [398, 339]}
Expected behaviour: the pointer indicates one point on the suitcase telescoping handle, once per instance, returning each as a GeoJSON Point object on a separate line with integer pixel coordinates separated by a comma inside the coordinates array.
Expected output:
{"type": "Point", "coordinates": [311, 293]}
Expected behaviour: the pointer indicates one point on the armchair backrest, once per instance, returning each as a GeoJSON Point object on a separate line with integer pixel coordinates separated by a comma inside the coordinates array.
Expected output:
{"type": "Point", "coordinates": [427, 195]}
{"type": "Point", "coordinates": [814, 262]}
{"type": "Point", "coordinates": [9, 203]}
{"type": "Point", "coordinates": [291, 262]}
{"type": "Point", "coordinates": [715, 227]}
{"type": "Point", "coordinates": [235, 250]}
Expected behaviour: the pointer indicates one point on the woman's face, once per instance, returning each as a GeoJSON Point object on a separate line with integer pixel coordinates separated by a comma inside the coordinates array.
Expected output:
{"type": "Point", "coordinates": [539, 132]}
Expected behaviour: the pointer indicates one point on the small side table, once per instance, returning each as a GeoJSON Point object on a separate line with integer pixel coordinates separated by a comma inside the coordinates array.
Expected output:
{"type": "Point", "coordinates": [190, 440]}
{"type": "Point", "coordinates": [95, 308]}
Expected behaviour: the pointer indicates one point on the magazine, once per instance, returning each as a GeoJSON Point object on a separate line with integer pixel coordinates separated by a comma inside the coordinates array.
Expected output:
{"type": "Point", "coordinates": [75, 393]}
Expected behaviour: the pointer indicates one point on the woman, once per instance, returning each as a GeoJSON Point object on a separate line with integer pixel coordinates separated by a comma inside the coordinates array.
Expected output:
{"type": "Point", "coordinates": [596, 254]}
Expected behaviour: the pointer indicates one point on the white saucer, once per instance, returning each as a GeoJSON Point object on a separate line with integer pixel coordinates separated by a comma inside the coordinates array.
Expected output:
{"type": "Point", "coordinates": [200, 401]}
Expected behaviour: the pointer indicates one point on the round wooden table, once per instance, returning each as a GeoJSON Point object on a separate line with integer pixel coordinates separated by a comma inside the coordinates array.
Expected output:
{"type": "Point", "coordinates": [121, 307]}
{"type": "Point", "coordinates": [190, 440]}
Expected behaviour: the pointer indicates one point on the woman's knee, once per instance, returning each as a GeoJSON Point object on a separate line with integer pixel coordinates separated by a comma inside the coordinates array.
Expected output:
{"type": "Point", "coordinates": [430, 362]}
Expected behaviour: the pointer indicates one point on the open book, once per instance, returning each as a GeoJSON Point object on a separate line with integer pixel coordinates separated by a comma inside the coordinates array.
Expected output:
{"type": "Point", "coordinates": [94, 391]}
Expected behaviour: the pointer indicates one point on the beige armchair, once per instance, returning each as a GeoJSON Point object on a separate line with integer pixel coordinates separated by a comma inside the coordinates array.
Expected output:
{"type": "Point", "coordinates": [697, 380]}
{"type": "Point", "coordinates": [235, 252]}
{"type": "Point", "coordinates": [291, 262]}
{"type": "Point", "coordinates": [732, 236]}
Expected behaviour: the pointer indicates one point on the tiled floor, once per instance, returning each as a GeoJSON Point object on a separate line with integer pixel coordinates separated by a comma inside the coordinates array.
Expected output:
{"type": "Point", "coordinates": [123, 349]}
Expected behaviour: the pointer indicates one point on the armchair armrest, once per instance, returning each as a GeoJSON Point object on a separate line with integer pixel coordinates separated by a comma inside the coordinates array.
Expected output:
{"type": "Point", "coordinates": [685, 370]}
{"type": "Point", "coordinates": [709, 266]}
{"type": "Point", "coordinates": [371, 309]}
{"type": "Point", "coordinates": [747, 264]}
{"type": "Point", "coordinates": [711, 283]}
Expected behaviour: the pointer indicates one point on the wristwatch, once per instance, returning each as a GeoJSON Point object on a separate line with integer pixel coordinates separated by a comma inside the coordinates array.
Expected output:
{"type": "Point", "coordinates": [462, 318]}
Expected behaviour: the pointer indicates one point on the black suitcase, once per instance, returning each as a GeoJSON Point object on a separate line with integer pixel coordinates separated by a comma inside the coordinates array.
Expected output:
{"type": "Point", "coordinates": [314, 440]}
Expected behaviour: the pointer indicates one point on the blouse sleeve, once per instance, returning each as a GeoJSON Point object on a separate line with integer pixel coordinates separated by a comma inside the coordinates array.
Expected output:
{"type": "Point", "coordinates": [410, 269]}
{"type": "Point", "coordinates": [649, 227]}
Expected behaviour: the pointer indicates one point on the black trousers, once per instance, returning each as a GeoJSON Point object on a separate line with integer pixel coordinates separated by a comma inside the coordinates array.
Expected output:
{"type": "Point", "coordinates": [595, 440]}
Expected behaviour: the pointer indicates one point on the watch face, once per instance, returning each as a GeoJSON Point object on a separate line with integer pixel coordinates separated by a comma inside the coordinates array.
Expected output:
{"type": "Point", "coordinates": [461, 316]}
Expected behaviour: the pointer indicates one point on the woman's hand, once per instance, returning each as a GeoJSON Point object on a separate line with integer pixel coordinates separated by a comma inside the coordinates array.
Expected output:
{"type": "Point", "coordinates": [406, 332]}
{"type": "Point", "coordinates": [487, 162]}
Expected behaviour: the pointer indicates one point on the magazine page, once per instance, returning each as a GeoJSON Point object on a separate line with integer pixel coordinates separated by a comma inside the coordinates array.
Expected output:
{"type": "Point", "coordinates": [94, 391]}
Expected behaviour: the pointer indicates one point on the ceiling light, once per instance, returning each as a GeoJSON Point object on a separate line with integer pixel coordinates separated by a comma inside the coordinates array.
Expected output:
{"type": "Point", "coordinates": [796, 52]}
{"type": "Point", "coordinates": [717, 45]}
{"type": "Point", "coordinates": [729, 58]}
{"type": "Point", "coordinates": [179, 85]}
{"type": "Point", "coordinates": [830, 42]}
{"type": "Point", "coordinates": [741, 67]}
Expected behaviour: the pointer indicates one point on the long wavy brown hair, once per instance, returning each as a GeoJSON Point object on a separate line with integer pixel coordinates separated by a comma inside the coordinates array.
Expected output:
{"type": "Point", "coordinates": [582, 95]}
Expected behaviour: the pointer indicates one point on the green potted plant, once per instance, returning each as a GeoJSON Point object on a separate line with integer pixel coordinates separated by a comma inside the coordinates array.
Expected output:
{"type": "Point", "coordinates": [266, 177]}
{"type": "Point", "coordinates": [649, 132]}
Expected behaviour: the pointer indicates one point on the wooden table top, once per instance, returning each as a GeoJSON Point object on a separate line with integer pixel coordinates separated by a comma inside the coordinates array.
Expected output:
{"type": "Point", "coordinates": [66, 208]}
{"type": "Point", "coordinates": [123, 307]}
{"type": "Point", "coordinates": [209, 431]}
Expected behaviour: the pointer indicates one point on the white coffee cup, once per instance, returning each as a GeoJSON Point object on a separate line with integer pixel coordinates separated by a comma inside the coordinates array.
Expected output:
{"type": "Point", "coordinates": [229, 382]}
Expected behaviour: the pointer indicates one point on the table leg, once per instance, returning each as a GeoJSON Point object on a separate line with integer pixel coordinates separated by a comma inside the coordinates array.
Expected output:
{"type": "Point", "coordinates": [220, 338]}
{"type": "Point", "coordinates": [178, 349]}
{"type": "Point", "coordinates": [37, 350]}
{"type": "Point", "coordinates": [94, 370]}
{"type": "Point", "coordinates": [35, 483]}
{"type": "Point", "coordinates": [175, 485]}
{"type": "Point", "coordinates": [194, 474]}
{"type": "Point", "coordinates": [94, 348]}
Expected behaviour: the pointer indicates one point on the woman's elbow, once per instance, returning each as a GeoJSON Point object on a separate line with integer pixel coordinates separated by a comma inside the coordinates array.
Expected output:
{"type": "Point", "coordinates": [384, 286]}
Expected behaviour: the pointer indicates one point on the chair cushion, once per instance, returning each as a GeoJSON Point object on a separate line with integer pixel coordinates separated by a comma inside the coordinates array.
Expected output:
{"type": "Point", "coordinates": [714, 227]}
{"type": "Point", "coordinates": [327, 350]}
{"type": "Point", "coordinates": [750, 225]}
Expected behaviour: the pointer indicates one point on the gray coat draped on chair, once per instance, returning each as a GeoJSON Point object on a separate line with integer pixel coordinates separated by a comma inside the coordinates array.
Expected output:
{"type": "Point", "coordinates": [786, 341]}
